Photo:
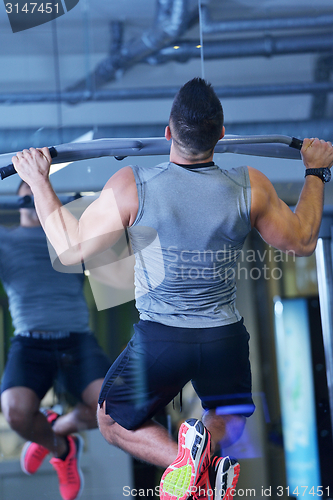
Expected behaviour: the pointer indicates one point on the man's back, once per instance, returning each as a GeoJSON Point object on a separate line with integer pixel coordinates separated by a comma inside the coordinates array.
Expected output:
{"type": "Point", "coordinates": [200, 215]}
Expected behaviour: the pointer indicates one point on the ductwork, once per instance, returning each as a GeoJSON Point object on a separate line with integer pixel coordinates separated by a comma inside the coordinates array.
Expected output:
{"type": "Point", "coordinates": [172, 20]}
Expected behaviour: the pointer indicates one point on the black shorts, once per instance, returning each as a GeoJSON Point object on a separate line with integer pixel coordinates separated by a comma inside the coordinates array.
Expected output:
{"type": "Point", "coordinates": [69, 364]}
{"type": "Point", "coordinates": [159, 360]}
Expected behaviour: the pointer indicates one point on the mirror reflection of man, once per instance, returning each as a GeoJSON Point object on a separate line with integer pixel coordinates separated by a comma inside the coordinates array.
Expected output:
{"type": "Point", "coordinates": [52, 344]}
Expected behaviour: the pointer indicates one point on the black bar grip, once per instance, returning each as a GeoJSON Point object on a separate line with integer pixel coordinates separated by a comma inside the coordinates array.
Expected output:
{"type": "Point", "coordinates": [10, 170]}
{"type": "Point", "coordinates": [296, 143]}
{"type": "Point", "coordinates": [7, 171]}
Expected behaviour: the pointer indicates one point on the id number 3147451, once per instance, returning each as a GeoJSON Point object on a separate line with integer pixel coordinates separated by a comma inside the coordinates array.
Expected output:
{"type": "Point", "coordinates": [32, 7]}
{"type": "Point", "coordinates": [300, 491]}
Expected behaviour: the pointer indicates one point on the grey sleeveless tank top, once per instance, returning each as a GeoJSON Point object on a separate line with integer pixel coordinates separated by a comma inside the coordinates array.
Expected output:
{"type": "Point", "coordinates": [188, 234]}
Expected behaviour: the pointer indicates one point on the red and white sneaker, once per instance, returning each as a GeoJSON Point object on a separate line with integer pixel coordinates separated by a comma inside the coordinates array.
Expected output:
{"type": "Point", "coordinates": [69, 473]}
{"type": "Point", "coordinates": [219, 481]}
{"type": "Point", "coordinates": [33, 454]}
{"type": "Point", "coordinates": [192, 460]}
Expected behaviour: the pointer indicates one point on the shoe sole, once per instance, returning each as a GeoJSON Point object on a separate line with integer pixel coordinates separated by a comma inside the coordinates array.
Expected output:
{"type": "Point", "coordinates": [22, 459]}
{"type": "Point", "coordinates": [226, 479]}
{"type": "Point", "coordinates": [79, 450]}
{"type": "Point", "coordinates": [180, 476]}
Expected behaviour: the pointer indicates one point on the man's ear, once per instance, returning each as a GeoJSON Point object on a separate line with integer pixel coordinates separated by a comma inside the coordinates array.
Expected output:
{"type": "Point", "coordinates": [167, 133]}
{"type": "Point", "coordinates": [222, 133]}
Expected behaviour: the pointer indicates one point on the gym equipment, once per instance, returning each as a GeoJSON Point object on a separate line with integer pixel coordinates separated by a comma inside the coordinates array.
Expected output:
{"type": "Point", "coordinates": [276, 146]}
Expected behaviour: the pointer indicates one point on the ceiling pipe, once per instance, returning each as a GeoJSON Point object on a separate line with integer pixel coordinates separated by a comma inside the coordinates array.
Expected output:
{"type": "Point", "coordinates": [117, 36]}
{"type": "Point", "coordinates": [163, 93]}
{"type": "Point", "coordinates": [265, 24]}
{"type": "Point", "coordinates": [264, 46]}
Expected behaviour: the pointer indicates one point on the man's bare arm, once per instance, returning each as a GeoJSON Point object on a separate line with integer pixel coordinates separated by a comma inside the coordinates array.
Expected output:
{"type": "Point", "coordinates": [100, 225]}
{"type": "Point", "coordinates": [280, 227]}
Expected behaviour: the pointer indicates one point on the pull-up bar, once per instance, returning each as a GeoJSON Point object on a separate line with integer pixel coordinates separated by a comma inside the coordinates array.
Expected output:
{"type": "Point", "coordinates": [274, 146]}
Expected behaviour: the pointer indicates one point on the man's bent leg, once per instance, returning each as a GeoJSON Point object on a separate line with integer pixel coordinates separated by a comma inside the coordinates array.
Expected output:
{"type": "Point", "coordinates": [150, 443]}
{"type": "Point", "coordinates": [21, 409]}
{"type": "Point", "coordinates": [83, 416]}
{"type": "Point", "coordinates": [20, 406]}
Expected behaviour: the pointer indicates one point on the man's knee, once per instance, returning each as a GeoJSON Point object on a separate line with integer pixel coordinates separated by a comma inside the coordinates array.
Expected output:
{"type": "Point", "coordinates": [19, 406]}
{"type": "Point", "coordinates": [18, 419]}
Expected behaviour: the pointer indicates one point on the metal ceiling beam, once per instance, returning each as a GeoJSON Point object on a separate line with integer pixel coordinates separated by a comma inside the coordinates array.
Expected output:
{"type": "Point", "coordinates": [163, 93]}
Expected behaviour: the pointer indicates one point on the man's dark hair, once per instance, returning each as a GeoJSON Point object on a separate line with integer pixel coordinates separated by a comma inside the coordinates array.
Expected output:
{"type": "Point", "coordinates": [196, 117]}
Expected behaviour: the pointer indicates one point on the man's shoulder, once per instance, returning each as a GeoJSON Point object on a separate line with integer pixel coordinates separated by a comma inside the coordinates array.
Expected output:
{"type": "Point", "coordinates": [257, 178]}
{"type": "Point", "coordinates": [143, 173]}
{"type": "Point", "coordinates": [153, 167]}
{"type": "Point", "coordinates": [238, 175]}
